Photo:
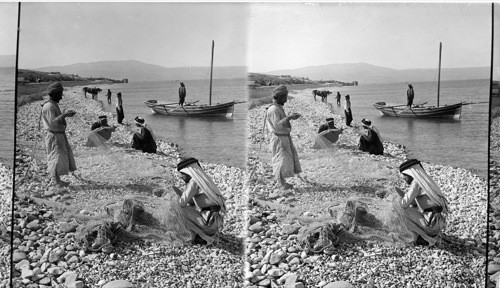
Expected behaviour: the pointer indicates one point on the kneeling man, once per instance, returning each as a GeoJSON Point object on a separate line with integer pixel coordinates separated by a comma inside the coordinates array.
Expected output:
{"type": "Point", "coordinates": [424, 205]}
{"type": "Point", "coordinates": [202, 202]}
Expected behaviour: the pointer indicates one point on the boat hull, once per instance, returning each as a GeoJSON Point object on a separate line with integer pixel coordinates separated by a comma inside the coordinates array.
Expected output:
{"type": "Point", "coordinates": [448, 111]}
{"type": "Point", "coordinates": [173, 109]}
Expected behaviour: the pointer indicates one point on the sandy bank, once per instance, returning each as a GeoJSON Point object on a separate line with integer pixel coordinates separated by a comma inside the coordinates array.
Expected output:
{"type": "Point", "coordinates": [110, 175]}
{"type": "Point", "coordinates": [329, 179]}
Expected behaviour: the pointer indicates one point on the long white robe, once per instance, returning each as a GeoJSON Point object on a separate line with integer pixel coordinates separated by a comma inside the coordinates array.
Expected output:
{"type": "Point", "coordinates": [285, 160]}
{"type": "Point", "coordinates": [60, 157]}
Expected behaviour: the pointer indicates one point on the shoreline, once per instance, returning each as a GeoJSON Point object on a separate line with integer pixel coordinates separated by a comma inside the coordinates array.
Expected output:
{"type": "Point", "coordinates": [113, 174]}
{"type": "Point", "coordinates": [331, 177]}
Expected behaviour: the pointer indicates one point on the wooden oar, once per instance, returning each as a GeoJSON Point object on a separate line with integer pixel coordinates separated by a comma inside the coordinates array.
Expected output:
{"type": "Point", "coordinates": [481, 102]}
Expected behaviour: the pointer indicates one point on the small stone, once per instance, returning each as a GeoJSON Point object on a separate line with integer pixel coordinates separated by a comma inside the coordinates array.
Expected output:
{"type": "Point", "coordinates": [118, 284]}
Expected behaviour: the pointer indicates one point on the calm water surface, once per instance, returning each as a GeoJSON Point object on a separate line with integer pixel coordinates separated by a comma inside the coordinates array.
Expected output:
{"type": "Point", "coordinates": [217, 140]}
{"type": "Point", "coordinates": [7, 90]}
{"type": "Point", "coordinates": [461, 143]}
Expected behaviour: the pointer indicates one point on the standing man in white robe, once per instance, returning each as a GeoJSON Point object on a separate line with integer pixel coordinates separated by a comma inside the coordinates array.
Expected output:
{"type": "Point", "coordinates": [285, 160]}
{"type": "Point", "coordinates": [60, 159]}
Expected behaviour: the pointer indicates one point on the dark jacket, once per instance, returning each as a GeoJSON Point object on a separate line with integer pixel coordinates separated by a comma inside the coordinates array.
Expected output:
{"type": "Point", "coordinates": [371, 143]}
{"type": "Point", "coordinates": [144, 141]}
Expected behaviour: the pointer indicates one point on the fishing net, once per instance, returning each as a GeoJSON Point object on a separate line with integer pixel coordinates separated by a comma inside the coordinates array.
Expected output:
{"type": "Point", "coordinates": [131, 220]}
{"type": "Point", "coordinates": [359, 219]}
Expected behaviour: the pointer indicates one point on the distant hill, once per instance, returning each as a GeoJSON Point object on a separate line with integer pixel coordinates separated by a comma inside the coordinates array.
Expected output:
{"type": "Point", "coordinates": [7, 60]}
{"type": "Point", "coordinates": [366, 73]}
{"type": "Point", "coordinates": [137, 71]}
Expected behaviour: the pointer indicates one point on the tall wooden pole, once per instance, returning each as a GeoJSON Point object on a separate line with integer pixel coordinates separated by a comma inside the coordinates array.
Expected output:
{"type": "Point", "coordinates": [439, 73]}
{"type": "Point", "coordinates": [211, 71]}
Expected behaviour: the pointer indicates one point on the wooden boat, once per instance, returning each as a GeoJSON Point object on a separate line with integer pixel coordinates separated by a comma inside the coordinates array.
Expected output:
{"type": "Point", "coordinates": [193, 109]}
{"type": "Point", "coordinates": [452, 111]}
{"type": "Point", "coordinates": [421, 111]}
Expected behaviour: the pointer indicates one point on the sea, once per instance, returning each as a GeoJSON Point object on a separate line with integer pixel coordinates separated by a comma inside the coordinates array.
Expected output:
{"type": "Point", "coordinates": [7, 108]}
{"type": "Point", "coordinates": [215, 140]}
{"type": "Point", "coordinates": [457, 143]}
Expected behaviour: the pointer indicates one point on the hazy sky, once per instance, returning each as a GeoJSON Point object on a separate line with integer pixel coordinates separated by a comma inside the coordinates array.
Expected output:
{"type": "Point", "coordinates": [165, 34]}
{"type": "Point", "coordinates": [496, 43]}
{"type": "Point", "coordinates": [8, 28]}
{"type": "Point", "coordinates": [394, 35]}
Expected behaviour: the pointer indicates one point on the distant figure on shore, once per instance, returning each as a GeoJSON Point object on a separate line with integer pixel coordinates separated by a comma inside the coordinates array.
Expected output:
{"type": "Point", "coordinates": [202, 202]}
{"type": "Point", "coordinates": [182, 94]}
{"type": "Point", "coordinates": [109, 96]}
{"type": "Point", "coordinates": [102, 129]}
{"type": "Point", "coordinates": [60, 159]}
{"type": "Point", "coordinates": [424, 205]}
{"type": "Point", "coordinates": [143, 140]}
{"type": "Point", "coordinates": [347, 110]}
{"type": "Point", "coordinates": [410, 94]}
{"type": "Point", "coordinates": [338, 99]}
{"type": "Point", "coordinates": [370, 142]}
{"type": "Point", "coordinates": [119, 108]}
{"type": "Point", "coordinates": [330, 124]}
{"type": "Point", "coordinates": [285, 160]}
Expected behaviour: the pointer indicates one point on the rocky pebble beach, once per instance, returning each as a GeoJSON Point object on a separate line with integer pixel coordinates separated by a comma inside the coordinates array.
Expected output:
{"type": "Point", "coordinates": [494, 206]}
{"type": "Point", "coordinates": [5, 223]}
{"type": "Point", "coordinates": [331, 177]}
{"type": "Point", "coordinates": [46, 252]}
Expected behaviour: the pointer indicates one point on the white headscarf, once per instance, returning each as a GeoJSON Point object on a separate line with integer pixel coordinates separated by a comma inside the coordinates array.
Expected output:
{"type": "Point", "coordinates": [206, 184]}
{"type": "Point", "coordinates": [421, 178]}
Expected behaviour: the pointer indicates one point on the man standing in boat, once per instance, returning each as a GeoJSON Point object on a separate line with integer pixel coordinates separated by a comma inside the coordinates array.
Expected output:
{"type": "Point", "coordinates": [410, 94]}
{"type": "Point", "coordinates": [182, 94]}
{"type": "Point", "coordinates": [285, 160]}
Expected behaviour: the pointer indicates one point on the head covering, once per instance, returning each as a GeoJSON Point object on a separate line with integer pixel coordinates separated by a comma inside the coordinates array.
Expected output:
{"type": "Point", "coordinates": [139, 120]}
{"type": "Point", "coordinates": [414, 168]}
{"type": "Point", "coordinates": [409, 85]}
{"type": "Point", "coordinates": [280, 92]}
{"type": "Point", "coordinates": [203, 181]}
{"type": "Point", "coordinates": [103, 117]}
{"type": "Point", "coordinates": [55, 88]}
{"type": "Point", "coordinates": [329, 119]}
{"type": "Point", "coordinates": [407, 164]}
{"type": "Point", "coordinates": [186, 162]}
{"type": "Point", "coordinates": [366, 122]}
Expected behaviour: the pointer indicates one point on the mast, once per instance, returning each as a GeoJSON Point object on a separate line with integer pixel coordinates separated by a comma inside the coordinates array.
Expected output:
{"type": "Point", "coordinates": [439, 72]}
{"type": "Point", "coordinates": [211, 71]}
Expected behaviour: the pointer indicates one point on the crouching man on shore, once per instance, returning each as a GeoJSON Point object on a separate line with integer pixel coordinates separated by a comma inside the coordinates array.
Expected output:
{"type": "Point", "coordinates": [370, 142]}
{"type": "Point", "coordinates": [60, 159]}
{"type": "Point", "coordinates": [202, 203]}
{"type": "Point", "coordinates": [143, 140]}
{"type": "Point", "coordinates": [424, 205]}
{"type": "Point", "coordinates": [101, 132]}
